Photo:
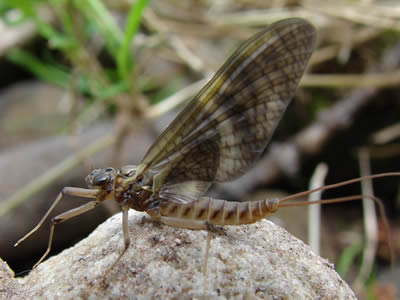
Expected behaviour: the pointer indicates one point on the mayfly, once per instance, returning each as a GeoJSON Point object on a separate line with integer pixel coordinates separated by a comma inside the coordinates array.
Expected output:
{"type": "Point", "coordinates": [216, 138]}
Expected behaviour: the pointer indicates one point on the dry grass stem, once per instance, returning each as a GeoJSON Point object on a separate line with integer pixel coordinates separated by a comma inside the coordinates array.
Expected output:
{"type": "Point", "coordinates": [264, 17]}
{"type": "Point", "coordinates": [176, 99]}
{"type": "Point", "coordinates": [370, 224]}
{"type": "Point", "coordinates": [314, 211]}
{"type": "Point", "coordinates": [386, 79]}
{"type": "Point", "coordinates": [376, 15]}
{"type": "Point", "coordinates": [387, 134]}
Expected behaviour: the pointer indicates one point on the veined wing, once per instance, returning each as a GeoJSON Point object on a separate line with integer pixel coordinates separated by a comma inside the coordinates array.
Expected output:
{"type": "Point", "coordinates": [224, 129]}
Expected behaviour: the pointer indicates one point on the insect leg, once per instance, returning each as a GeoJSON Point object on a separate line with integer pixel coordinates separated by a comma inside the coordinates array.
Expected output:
{"type": "Point", "coordinates": [207, 251]}
{"type": "Point", "coordinates": [78, 192]}
{"type": "Point", "coordinates": [127, 240]}
{"type": "Point", "coordinates": [63, 217]}
{"type": "Point", "coordinates": [209, 233]}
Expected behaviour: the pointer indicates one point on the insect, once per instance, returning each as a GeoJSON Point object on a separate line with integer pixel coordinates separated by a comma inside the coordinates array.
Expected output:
{"type": "Point", "coordinates": [216, 138]}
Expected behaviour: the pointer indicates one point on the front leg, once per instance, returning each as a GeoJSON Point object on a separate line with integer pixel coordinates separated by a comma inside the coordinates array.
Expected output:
{"type": "Point", "coordinates": [78, 192]}
{"type": "Point", "coordinates": [63, 217]}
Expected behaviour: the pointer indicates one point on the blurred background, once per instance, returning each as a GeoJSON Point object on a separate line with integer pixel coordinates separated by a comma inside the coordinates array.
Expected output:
{"type": "Point", "coordinates": [91, 84]}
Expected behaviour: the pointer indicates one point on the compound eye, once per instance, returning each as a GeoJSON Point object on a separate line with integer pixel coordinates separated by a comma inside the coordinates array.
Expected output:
{"type": "Point", "coordinates": [100, 179]}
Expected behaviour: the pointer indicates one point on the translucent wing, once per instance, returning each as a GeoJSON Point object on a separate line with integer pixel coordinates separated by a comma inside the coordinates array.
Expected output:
{"type": "Point", "coordinates": [224, 129]}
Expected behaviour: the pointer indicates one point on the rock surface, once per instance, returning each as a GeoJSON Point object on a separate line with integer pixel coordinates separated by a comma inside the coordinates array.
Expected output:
{"type": "Point", "coordinates": [253, 261]}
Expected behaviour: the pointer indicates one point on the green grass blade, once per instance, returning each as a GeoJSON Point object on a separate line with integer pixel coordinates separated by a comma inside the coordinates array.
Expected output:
{"type": "Point", "coordinates": [347, 258]}
{"type": "Point", "coordinates": [97, 14]}
{"type": "Point", "coordinates": [124, 56]}
{"type": "Point", "coordinates": [42, 70]}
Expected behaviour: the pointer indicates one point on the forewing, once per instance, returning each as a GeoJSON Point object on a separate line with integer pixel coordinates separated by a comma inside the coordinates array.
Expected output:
{"type": "Point", "coordinates": [224, 129]}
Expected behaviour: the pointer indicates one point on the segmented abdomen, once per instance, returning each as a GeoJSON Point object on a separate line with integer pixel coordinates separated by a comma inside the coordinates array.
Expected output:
{"type": "Point", "coordinates": [216, 212]}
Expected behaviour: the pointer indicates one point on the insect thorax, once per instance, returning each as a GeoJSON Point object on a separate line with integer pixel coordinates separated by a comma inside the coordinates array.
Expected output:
{"type": "Point", "coordinates": [135, 195]}
{"type": "Point", "coordinates": [123, 186]}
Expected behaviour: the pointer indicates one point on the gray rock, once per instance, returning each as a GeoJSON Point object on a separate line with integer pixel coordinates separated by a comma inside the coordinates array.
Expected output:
{"type": "Point", "coordinates": [254, 261]}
